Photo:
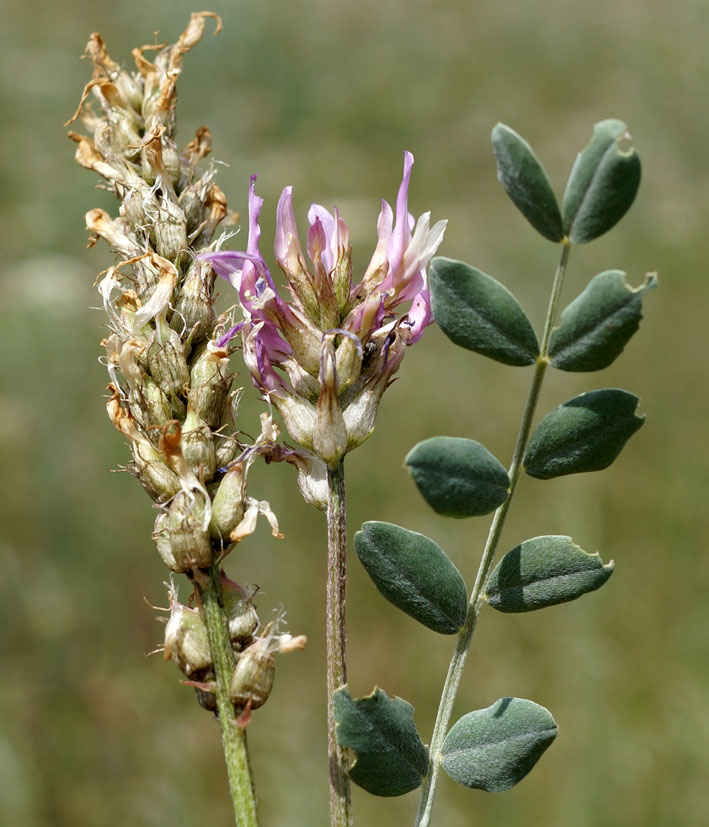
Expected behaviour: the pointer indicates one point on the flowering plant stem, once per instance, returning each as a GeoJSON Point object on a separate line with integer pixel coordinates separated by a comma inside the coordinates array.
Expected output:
{"type": "Point", "coordinates": [340, 812]}
{"type": "Point", "coordinates": [236, 753]}
{"type": "Point", "coordinates": [465, 636]}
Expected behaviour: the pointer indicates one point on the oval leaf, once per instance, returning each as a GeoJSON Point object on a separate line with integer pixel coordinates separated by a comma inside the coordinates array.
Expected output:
{"type": "Point", "coordinates": [542, 572]}
{"type": "Point", "coordinates": [458, 477]}
{"type": "Point", "coordinates": [602, 185]}
{"type": "Point", "coordinates": [414, 574]}
{"type": "Point", "coordinates": [493, 749]}
{"type": "Point", "coordinates": [480, 314]}
{"type": "Point", "coordinates": [597, 325]}
{"type": "Point", "coordinates": [584, 434]}
{"type": "Point", "coordinates": [391, 759]}
{"type": "Point", "coordinates": [526, 182]}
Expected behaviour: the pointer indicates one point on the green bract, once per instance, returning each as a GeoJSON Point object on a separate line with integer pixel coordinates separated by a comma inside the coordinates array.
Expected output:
{"type": "Point", "coordinates": [584, 434]}
{"type": "Point", "coordinates": [526, 182]}
{"type": "Point", "coordinates": [542, 572]}
{"type": "Point", "coordinates": [602, 185]}
{"type": "Point", "coordinates": [597, 325]}
{"type": "Point", "coordinates": [414, 574]}
{"type": "Point", "coordinates": [458, 477]}
{"type": "Point", "coordinates": [493, 749]}
{"type": "Point", "coordinates": [480, 314]}
{"type": "Point", "coordinates": [391, 760]}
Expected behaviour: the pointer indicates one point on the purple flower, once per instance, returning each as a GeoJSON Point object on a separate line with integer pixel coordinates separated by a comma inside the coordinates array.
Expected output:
{"type": "Point", "coordinates": [337, 345]}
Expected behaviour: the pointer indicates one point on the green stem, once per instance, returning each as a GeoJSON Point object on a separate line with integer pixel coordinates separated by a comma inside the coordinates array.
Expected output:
{"type": "Point", "coordinates": [340, 804]}
{"type": "Point", "coordinates": [236, 753]}
{"type": "Point", "coordinates": [465, 636]}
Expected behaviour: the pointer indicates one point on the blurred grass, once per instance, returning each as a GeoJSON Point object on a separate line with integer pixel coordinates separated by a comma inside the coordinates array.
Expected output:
{"type": "Point", "coordinates": [326, 95]}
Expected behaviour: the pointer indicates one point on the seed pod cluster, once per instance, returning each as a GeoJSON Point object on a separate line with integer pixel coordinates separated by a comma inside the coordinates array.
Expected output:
{"type": "Point", "coordinates": [167, 369]}
{"type": "Point", "coordinates": [167, 354]}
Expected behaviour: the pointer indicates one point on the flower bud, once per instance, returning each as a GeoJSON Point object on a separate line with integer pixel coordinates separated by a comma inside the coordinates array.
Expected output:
{"type": "Point", "coordinates": [189, 540]}
{"type": "Point", "coordinates": [209, 387]}
{"type": "Point", "coordinates": [186, 640]}
{"type": "Point", "coordinates": [197, 446]}
{"type": "Point", "coordinates": [228, 503]}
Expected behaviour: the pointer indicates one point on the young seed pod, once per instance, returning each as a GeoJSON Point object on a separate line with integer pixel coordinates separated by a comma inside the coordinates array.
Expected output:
{"type": "Point", "coordinates": [171, 161]}
{"type": "Point", "coordinates": [210, 382]}
{"type": "Point", "coordinates": [228, 449]}
{"type": "Point", "coordinates": [240, 610]}
{"type": "Point", "coordinates": [152, 403]}
{"type": "Point", "coordinates": [190, 543]}
{"type": "Point", "coordinates": [159, 482]}
{"type": "Point", "coordinates": [161, 537]}
{"type": "Point", "coordinates": [125, 138]}
{"type": "Point", "coordinates": [194, 303]}
{"type": "Point", "coordinates": [228, 503]}
{"type": "Point", "coordinates": [253, 677]}
{"type": "Point", "coordinates": [186, 640]}
{"type": "Point", "coordinates": [167, 364]}
{"type": "Point", "coordinates": [193, 208]}
{"type": "Point", "coordinates": [197, 446]}
{"type": "Point", "coordinates": [169, 230]}
{"type": "Point", "coordinates": [136, 207]}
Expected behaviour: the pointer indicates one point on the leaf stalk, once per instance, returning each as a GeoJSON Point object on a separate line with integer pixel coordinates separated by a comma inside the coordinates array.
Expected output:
{"type": "Point", "coordinates": [465, 636]}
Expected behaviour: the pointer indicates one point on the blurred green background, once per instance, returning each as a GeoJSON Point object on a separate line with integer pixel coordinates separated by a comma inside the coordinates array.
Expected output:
{"type": "Point", "coordinates": [326, 95]}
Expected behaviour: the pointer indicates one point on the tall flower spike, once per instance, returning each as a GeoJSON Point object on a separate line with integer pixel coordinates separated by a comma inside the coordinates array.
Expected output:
{"type": "Point", "coordinates": [301, 355]}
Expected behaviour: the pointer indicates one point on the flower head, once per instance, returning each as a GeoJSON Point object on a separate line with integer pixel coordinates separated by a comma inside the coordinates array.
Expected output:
{"type": "Point", "coordinates": [325, 358]}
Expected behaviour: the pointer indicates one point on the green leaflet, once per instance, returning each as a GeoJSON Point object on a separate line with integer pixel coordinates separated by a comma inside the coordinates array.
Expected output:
{"type": "Point", "coordinates": [603, 183]}
{"type": "Point", "coordinates": [526, 182]}
{"type": "Point", "coordinates": [391, 759]}
{"type": "Point", "coordinates": [414, 574]}
{"type": "Point", "coordinates": [597, 325]}
{"type": "Point", "coordinates": [542, 572]}
{"type": "Point", "coordinates": [493, 749]}
{"type": "Point", "coordinates": [458, 477]}
{"type": "Point", "coordinates": [584, 434]}
{"type": "Point", "coordinates": [480, 314]}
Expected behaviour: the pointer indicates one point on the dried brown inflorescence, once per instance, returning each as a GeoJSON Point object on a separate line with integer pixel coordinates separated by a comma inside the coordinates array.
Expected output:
{"type": "Point", "coordinates": [171, 386]}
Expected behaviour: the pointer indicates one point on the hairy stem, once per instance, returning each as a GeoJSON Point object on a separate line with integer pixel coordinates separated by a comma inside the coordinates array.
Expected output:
{"type": "Point", "coordinates": [340, 812]}
{"type": "Point", "coordinates": [236, 753]}
{"type": "Point", "coordinates": [465, 636]}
